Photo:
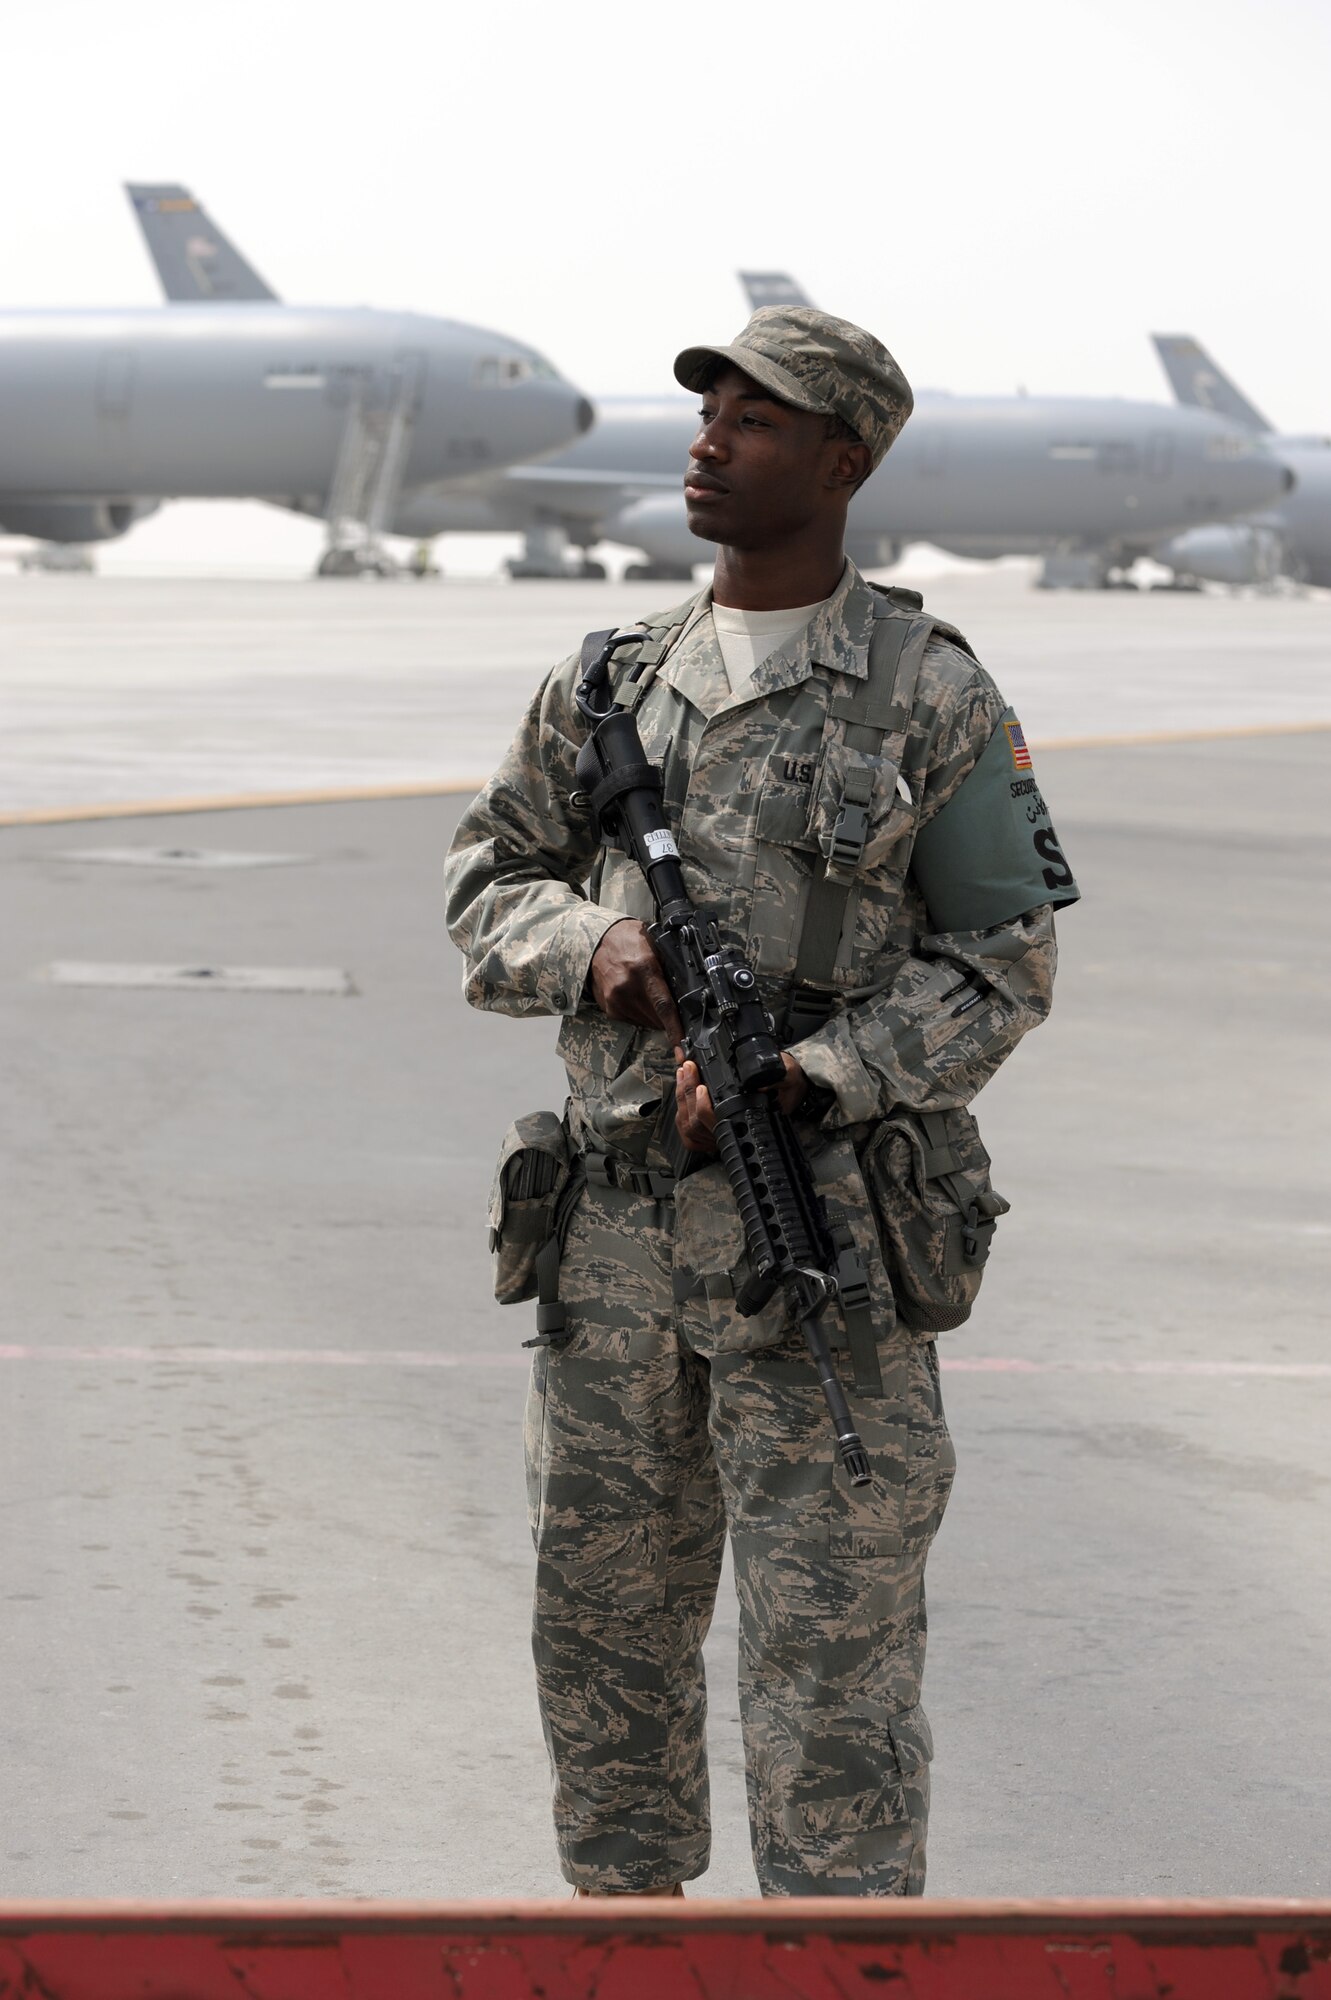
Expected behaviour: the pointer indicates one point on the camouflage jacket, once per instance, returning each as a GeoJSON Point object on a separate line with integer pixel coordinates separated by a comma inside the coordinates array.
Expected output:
{"type": "Point", "coordinates": [751, 782]}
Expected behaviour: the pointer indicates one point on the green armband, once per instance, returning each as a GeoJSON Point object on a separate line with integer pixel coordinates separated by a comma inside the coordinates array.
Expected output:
{"type": "Point", "coordinates": [991, 853]}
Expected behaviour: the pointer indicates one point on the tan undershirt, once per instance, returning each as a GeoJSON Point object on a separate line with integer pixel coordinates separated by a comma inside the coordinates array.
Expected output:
{"type": "Point", "coordinates": [747, 638]}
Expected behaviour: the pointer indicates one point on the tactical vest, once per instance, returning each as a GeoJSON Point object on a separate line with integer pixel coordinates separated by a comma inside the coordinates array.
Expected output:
{"type": "Point", "coordinates": [875, 714]}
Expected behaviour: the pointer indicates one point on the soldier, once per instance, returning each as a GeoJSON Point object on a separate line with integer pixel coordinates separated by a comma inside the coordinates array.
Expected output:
{"type": "Point", "coordinates": [854, 804]}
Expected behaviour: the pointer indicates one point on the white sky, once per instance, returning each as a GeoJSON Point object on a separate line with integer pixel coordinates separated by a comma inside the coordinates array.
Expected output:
{"type": "Point", "coordinates": [1008, 194]}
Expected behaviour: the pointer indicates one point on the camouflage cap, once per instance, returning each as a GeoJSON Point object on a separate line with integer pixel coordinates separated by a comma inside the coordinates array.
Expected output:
{"type": "Point", "coordinates": [815, 362]}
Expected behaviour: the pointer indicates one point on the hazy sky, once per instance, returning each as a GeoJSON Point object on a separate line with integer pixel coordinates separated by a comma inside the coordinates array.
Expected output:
{"type": "Point", "coordinates": [1008, 194]}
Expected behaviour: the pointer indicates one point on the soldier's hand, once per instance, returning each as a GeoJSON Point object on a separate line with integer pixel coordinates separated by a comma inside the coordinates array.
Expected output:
{"type": "Point", "coordinates": [628, 983]}
{"type": "Point", "coordinates": [695, 1120]}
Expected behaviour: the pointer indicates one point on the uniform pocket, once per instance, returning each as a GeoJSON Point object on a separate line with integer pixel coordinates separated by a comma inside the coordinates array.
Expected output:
{"type": "Point", "coordinates": [913, 1748]}
{"type": "Point", "coordinates": [865, 1522]}
{"type": "Point", "coordinates": [533, 1438]}
{"type": "Point", "coordinates": [710, 1260]}
{"type": "Point", "coordinates": [856, 814]}
{"type": "Point", "coordinates": [936, 1209]}
{"type": "Point", "coordinates": [531, 1176]}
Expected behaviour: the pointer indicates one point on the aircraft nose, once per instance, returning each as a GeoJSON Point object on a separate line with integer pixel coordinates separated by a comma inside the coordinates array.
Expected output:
{"type": "Point", "coordinates": [1261, 476]}
{"type": "Point", "coordinates": [586, 416]}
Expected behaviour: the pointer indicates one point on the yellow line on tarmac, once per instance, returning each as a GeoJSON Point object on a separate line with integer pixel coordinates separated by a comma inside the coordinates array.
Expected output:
{"type": "Point", "coordinates": [1147, 737]}
{"type": "Point", "coordinates": [238, 802]}
{"type": "Point", "coordinates": [467, 787]}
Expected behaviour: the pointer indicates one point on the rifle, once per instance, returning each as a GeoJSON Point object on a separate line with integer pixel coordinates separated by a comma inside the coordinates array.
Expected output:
{"type": "Point", "coordinates": [731, 1036]}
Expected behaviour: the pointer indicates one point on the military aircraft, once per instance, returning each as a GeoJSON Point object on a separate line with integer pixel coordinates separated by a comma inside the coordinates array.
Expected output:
{"type": "Point", "coordinates": [346, 413]}
{"type": "Point", "coordinates": [1291, 538]}
{"type": "Point", "coordinates": [1091, 483]}
{"type": "Point", "coordinates": [1082, 480]}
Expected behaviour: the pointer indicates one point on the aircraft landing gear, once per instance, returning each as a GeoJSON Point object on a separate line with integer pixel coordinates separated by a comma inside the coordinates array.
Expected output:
{"type": "Point", "coordinates": [1085, 569]}
{"type": "Point", "coordinates": [547, 555]}
{"type": "Point", "coordinates": [1073, 569]}
{"type": "Point", "coordinates": [60, 558]}
{"type": "Point", "coordinates": [359, 560]}
{"type": "Point", "coordinates": [658, 573]}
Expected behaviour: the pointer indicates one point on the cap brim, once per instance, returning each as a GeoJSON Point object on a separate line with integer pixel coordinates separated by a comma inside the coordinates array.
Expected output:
{"type": "Point", "coordinates": [696, 364]}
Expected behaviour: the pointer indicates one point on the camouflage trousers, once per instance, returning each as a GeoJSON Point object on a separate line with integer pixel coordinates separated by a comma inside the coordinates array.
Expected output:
{"type": "Point", "coordinates": [648, 1435]}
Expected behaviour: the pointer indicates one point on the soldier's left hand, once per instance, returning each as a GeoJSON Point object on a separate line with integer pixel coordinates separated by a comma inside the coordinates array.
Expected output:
{"type": "Point", "coordinates": [695, 1120]}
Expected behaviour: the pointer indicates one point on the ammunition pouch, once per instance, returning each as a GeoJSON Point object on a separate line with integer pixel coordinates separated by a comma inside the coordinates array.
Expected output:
{"type": "Point", "coordinates": [927, 1174]}
{"type": "Point", "coordinates": [536, 1182]}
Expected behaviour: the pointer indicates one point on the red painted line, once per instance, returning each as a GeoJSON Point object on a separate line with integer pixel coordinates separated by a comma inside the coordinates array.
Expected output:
{"type": "Point", "coordinates": [266, 1357]}
{"type": "Point", "coordinates": [407, 1357]}
{"type": "Point", "coordinates": [788, 1949]}
{"type": "Point", "coordinates": [1298, 1371]}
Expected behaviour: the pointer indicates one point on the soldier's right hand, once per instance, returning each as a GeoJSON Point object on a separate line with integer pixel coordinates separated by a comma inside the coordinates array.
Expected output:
{"type": "Point", "coordinates": [627, 981]}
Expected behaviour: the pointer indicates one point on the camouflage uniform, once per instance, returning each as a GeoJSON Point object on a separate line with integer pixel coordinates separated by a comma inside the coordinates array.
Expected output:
{"type": "Point", "coordinates": [665, 1418]}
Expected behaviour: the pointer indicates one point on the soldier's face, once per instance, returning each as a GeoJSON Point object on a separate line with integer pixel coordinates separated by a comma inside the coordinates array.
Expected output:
{"type": "Point", "coordinates": [759, 471]}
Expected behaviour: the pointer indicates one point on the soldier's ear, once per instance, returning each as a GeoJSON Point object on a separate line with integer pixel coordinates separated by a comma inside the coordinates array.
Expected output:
{"type": "Point", "coordinates": [851, 466]}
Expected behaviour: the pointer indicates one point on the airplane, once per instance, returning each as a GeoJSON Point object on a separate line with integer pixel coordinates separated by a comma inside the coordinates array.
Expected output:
{"type": "Point", "coordinates": [346, 413]}
{"type": "Point", "coordinates": [1092, 483]}
{"type": "Point", "coordinates": [1081, 480]}
{"type": "Point", "coordinates": [1292, 538]}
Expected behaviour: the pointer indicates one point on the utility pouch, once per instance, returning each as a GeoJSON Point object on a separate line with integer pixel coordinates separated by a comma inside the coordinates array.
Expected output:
{"type": "Point", "coordinates": [532, 1176]}
{"type": "Point", "coordinates": [927, 1173]}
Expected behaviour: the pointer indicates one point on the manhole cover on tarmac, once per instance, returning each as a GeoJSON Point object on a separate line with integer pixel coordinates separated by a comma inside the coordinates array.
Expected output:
{"type": "Point", "coordinates": [321, 979]}
{"type": "Point", "coordinates": [179, 857]}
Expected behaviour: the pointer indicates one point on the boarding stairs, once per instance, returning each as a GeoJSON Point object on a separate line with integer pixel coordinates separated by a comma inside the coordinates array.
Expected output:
{"type": "Point", "coordinates": [371, 462]}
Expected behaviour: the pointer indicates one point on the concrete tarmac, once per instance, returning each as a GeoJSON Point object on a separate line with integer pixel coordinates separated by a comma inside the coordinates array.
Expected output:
{"type": "Point", "coordinates": [266, 1573]}
{"type": "Point", "coordinates": [115, 692]}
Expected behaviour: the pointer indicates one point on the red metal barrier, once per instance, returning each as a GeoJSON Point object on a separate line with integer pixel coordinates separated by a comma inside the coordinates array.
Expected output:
{"type": "Point", "coordinates": [831, 1949]}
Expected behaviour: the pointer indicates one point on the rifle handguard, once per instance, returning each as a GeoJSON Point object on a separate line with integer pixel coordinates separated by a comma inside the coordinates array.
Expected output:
{"type": "Point", "coordinates": [732, 1038]}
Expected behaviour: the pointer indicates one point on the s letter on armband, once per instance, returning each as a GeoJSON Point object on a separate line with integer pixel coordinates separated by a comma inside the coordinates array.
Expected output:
{"type": "Point", "coordinates": [991, 853]}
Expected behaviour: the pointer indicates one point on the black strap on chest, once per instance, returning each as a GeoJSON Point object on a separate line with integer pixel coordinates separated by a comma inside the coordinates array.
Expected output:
{"type": "Point", "coordinates": [875, 709]}
{"type": "Point", "coordinates": [634, 669]}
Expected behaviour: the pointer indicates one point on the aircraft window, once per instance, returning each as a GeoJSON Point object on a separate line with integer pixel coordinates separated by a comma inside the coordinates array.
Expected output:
{"type": "Point", "coordinates": [1117, 455]}
{"type": "Point", "coordinates": [294, 378]}
{"type": "Point", "coordinates": [494, 371]}
{"type": "Point", "coordinates": [1228, 447]}
{"type": "Point", "coordinates": [1082, 451]}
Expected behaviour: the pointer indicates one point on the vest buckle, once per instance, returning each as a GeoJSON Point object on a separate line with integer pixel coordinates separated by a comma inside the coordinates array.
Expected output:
{"type": "Point", "coordinates": [844, 846]}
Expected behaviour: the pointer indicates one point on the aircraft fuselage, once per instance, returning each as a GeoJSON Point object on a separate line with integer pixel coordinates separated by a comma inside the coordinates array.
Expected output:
{"type": "Point", "coordinates": [251, 400]}
{"type": "Point", "coordinates": [982, 476]}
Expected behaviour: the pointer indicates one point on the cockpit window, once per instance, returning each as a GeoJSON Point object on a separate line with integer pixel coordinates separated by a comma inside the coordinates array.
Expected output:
{"type": "Point", "coordinates": [1231, 446]}
{"type": "Point", "coordinates": [501, 371]}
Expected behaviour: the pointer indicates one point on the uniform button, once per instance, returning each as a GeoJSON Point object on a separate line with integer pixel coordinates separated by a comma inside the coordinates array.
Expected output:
{"type": "Point", "coordinates": [559, 998]}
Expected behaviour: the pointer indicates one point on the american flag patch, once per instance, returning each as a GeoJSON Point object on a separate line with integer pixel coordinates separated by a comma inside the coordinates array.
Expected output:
{"type": "Point", "coordinates": [1016, 743]}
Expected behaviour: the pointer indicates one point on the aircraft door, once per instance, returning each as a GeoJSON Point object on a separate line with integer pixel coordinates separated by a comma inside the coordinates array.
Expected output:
{"type": "Point", "coordinates": [1159, 455]}
{"type": "Point", "coordinates": [410, 369]}
{"type": "Point", "coordinates": [931, 454]}
{"type": "Point", "coordinates": [115, 382]}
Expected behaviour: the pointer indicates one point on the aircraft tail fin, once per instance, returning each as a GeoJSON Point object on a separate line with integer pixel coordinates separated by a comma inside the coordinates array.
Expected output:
{"type": "Point", "coordinates": [773, 288]}
{"type": "Point", "coordinates": [195, 261]}
{"type": "Point", "coordinates": [1196, 379]}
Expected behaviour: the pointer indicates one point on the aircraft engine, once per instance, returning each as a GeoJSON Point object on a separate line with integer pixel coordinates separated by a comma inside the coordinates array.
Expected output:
{"type": "Point", "coordinates": [73, 520]}
{"type": "Point", "coordinates": [1235, 553]}
{"type": "Point", "coordinates": [659, 526]}
{"type": "Point", "coordinates": [872, 551]}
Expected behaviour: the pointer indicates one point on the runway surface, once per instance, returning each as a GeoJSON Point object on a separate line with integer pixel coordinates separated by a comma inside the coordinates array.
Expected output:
{"type": "Point", "coordinates": [266, 1571]}
{"type": "Point", "coordinates": [114, 691]}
